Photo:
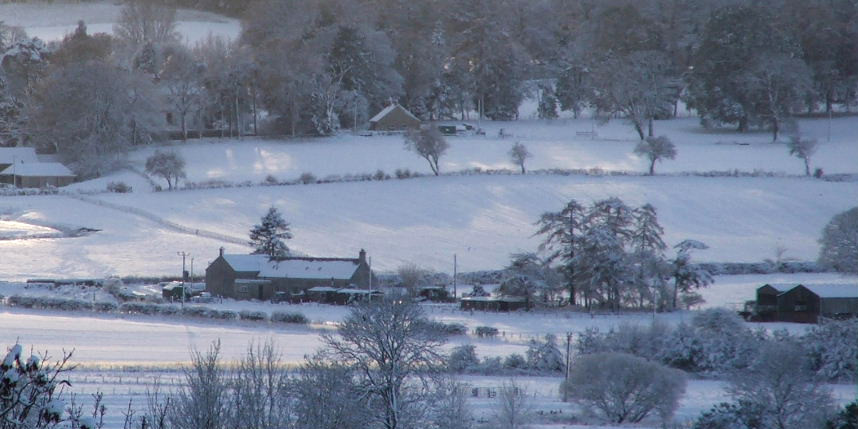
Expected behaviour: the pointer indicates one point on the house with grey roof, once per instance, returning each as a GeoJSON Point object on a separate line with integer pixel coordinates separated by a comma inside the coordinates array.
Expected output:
{"type": "Point", "coordinates": [260, 277]}
{"type": "Point", "coordinates": [394, 118]}
{"type": "Point", "coordinates": [23, 168]}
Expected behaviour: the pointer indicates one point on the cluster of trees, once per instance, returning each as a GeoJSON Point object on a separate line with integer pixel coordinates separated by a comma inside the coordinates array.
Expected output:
{"type": "Point", "coordinates": [610, 255]}
{"type": "Point", "coordinates": [840, 242]}
{"type": "Point", "coordinates": [734, 61]}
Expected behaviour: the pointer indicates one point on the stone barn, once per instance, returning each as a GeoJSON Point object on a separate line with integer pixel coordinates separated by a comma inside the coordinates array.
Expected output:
{"type": "Point", "coordinates": [259, 277]}
{"type": "Point", "coordinates": [394, 118]}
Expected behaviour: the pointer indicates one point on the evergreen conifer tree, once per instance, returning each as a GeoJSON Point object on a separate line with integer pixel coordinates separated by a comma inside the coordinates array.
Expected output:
{"type": "Point", "coordinates": [267, 237]}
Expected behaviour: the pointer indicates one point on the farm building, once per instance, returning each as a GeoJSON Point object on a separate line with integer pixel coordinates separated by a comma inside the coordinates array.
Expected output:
{"type": "Point", "coordinates": [37, 174]}
{"type": "Point", "coordinates": [394, 118]}
{"type": "Point", "coordinates": [486, 303]}
{"type": "Point", "coordinates": [12, 155]}
{"type": "Point", "coordinates": [807, 303]}
{"type": "Point", "coordinates": [767, 300]}
{"type": "Point", "coordinates": [259, 277]}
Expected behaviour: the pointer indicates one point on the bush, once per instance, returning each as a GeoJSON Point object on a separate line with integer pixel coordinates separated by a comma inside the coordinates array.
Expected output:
{"type": "Point", "coordinates": [271, 180]}
{"type": "Point", "coordinates": [252, 315]}
{"type": "Point", "coordinates": [486, 331]}
{"type": "Point", "coordinates": [402, 173]}
{"type": "Point", "coordinates": [514, 361]}
{"type": "Point", "coordinates": [307, 178]}
{"type": "Point", "coordinates": [196, 311]}
{"type": "Point", "coordinates": [832, 349]}
{"type": "Point", "coordinates": [380, 175]}
{"type": "Point", "coordinates": [447, 328]}
{"type": "Point", "coordinates": [138, 308]}
{"type": "Point", "coordinates": [105, 307]}
{"type": "Point", "coordinates": [624, 388]}
{"type": "Point", "coordinates": [286, 317]}
{"type": "Point", "coordinates": [223, 314]}
{"type": "Point", "coordinates": [118, 187]}
{"type": "Point", "coordinates": [168, 310]}
{"type": "Point", "coordinates": [463, 359]}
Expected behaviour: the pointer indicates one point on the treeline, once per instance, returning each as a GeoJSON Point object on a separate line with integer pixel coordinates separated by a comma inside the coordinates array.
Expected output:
{"type": "Point", "coordinates": [314, 67]}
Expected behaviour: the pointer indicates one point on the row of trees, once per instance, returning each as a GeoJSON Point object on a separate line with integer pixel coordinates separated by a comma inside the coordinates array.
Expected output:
{"type": "Point", "coordinates": [609, 255]}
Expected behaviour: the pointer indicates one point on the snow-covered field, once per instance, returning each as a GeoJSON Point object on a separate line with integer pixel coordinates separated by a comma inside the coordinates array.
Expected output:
{"type": "Point", "coordinates": [51, 21]}
{"type": "Point", "coordinates": [426, 220]}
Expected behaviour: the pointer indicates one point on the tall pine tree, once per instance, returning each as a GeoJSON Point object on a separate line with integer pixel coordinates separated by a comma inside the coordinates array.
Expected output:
{"type": "Point", "coordinates": [267, 237]}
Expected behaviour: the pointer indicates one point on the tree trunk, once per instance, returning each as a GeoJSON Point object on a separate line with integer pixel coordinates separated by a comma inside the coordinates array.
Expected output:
{"type": "Point", "coordinates": [652, 166]}
{"type": "Point", "coordinates": [650, 130]}
{"type": "Point", "coordinates": [743, 125]}
{"type": "Point", "coordinates": [807, 166]}
{"type": "Point", "coordinates": [775, 129]}
{"type": "Point", "coordinates": [639, 129]}
{"type": "Point", "coordinates": [184, 129]}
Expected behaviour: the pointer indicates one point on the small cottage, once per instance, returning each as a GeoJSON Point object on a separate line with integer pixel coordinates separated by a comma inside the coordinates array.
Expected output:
{"type": "Point", "coordinates": [261, 277]}
{"type": "Point", "coordinates": [394, 118]}
{"type": "Point", "coordinates": [37, 174]}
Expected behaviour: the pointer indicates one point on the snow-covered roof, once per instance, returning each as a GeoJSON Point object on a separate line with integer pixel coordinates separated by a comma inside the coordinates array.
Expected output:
{"type": "Point", "coordinates": [386, 111]}
{"type": "Point", "coordinates": [834, 291]}
{"type": "Point", "coordinates": [245, 263]}
{"type": "Point", "coordinates": [322, 289]}
{"type": "Point", "coordinates": [309, 269]}
{"type": "Point", "coordinates": [781, 287]}
{"type": "Point", "coordinates": [38, 169]}
{"type": "Point", "coordinates": [296, 268]}
{"type": "Point", "coordinates": [9, 155]}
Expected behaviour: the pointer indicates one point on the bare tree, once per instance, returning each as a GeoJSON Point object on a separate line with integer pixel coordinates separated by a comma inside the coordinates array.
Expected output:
{"type": "Point", "coordinates": [624, 388]}
{"type": "Point", "coordinates": [655, 149]}
{"type": "Point", "coordinates": [168, 165]}
{"type": "Point", "coordinates": [142, 21]}
{"type": "Point", "coordinates": [203, 402]}
{"type": "Point", "coordinates": [514, 410]}
{"type": "Point", "coordinates": [181, 76]}
{"type": "Point", "coordinates": [327, 396]}
{"type": "Point", "coordinates": [31, 390]}
{"type": "Point", "coordinates": [259, 389]}
{"type": "Point", "coordinates": [429, 143]}
{"type": "Point", "coordinates": [518, 154]}
{"type": "Point", "coordinates": [840, 242]}
{"type": "Point", "coordinates": [451, 408]}
{"type": "Point", "coordinates": [782, 390]}
{"type": "Point", "coordinates": [803, 149]}
{"type": "Point", "coordinates": [411, 275]}
{"type": "Point", "coordinates": [395, 355]}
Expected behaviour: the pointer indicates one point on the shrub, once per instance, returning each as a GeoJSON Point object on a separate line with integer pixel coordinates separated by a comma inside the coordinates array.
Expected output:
{"type": "Point", "coordinates": [380, 175]}
{"type": "Point", "coordinates": [168, 310]}
{"type": "Point", "coordinates": [624, 388]}
{"type": "Point", "coordinates": [286, 317]}
{"type": "Point", "coordinates": [118, 187]}
{"type": "Point", "coordinates": [105, 307]}
{"type": "Point", "coordinates": [463, 358]}
{"type": "Point", "coordinates": [271, 180]}
{"type": "Point", "coordinates": [514, 361]}
{"type": "Point", "coordinates": [447, 328]}
{"type": "Point", "coordinates": [402, 173]}
{"type": "Point", "coordinates": [196, 311]}
{"type": "Point", "coordinates": [138, 308]}
{"type": "Point", "coordinates": [832, 349]}
{"type": "Point", "coordinates": [486, 331]}
{"type": "Point", "coordinates": [252, 315]}
{"type": "Point", "coordinates": [223, 314]}
{"type": "Point", "coordinates": [307, 178]}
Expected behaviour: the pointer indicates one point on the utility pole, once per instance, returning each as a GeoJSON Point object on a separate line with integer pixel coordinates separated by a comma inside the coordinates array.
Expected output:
{"type": "Point", "coordinates": [369, 265]}
{"type": "Point", "coordinates": [568, 362]}
{"type": "Point", "coordinates": [455, 272]}
{"type": "Point", "coordinates": [184, 255]}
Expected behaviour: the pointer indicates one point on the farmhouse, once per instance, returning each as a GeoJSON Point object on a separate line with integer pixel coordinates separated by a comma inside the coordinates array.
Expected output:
{"type": "Point", "coordinates": [259, 277]}
{"type": "Point", "coordinates": [394, 118]}
{"type": "Point", "coordinates": [12, 155]}
{"type": "Point", "coordinates": [37, 174]}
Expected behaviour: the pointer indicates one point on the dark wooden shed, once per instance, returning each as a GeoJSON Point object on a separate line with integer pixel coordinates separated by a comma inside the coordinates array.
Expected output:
{"type": "Point", "coordinates": [806, 304]}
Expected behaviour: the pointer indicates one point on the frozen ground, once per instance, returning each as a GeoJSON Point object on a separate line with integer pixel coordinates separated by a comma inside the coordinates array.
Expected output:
{"type": "Point", "coordinates": [53, 20]}
{"type": "Point", "coordinates": [553, 145]}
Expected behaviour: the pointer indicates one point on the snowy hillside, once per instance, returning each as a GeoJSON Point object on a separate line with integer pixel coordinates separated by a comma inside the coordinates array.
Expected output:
{"type": "Point", "coordinates": [53, 20]}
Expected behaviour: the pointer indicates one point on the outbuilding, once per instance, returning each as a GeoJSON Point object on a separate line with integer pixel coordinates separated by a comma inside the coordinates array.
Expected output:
{"type": "Point", "coordinates": [807, 303]}
{"type": "Point", "coordinates": [394, 118]}
{"type": "Point", "coordinates": [37, 174]}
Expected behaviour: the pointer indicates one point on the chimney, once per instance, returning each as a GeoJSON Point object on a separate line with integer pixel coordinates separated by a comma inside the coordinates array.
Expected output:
{"type": "Point", "coordinates": [221, 251]}
{"type": "Point", "coordinates": [362, 256]}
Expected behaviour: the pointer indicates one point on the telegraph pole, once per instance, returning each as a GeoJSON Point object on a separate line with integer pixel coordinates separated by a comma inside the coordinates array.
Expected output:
{"type": "Point", "coordinates": [568, 362]}
{"type": "Point", "coordinates": [184, 255]}
{"type": "Point", "coordinates": [455, 283]}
